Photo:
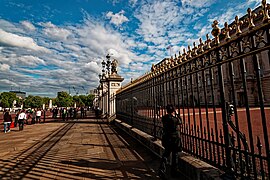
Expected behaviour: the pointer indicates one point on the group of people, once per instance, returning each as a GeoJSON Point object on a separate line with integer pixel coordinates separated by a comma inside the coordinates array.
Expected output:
{"type": "Point", "coordinates": [66, 113]}
{"type": "Point", "coordinates": [170, 140]}
{"type": "Point", "coordinates": [22, 117]}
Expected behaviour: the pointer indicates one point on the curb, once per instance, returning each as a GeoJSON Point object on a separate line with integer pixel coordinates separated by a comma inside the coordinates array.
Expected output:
{"type": "Point", "coordinates": [192, 168]}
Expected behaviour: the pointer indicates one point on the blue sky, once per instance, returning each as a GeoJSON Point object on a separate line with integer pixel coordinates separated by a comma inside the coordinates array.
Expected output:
{"type": "Point", "coordinates": [48, 46]}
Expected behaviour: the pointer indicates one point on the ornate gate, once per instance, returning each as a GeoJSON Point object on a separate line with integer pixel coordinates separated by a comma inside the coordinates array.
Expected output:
{"type": "Point", "coordinates": [221, 89]}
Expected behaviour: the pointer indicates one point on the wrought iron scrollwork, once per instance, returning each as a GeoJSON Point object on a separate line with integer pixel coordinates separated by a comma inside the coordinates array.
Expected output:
{"type": "Point", "coordinates": [236, 161]}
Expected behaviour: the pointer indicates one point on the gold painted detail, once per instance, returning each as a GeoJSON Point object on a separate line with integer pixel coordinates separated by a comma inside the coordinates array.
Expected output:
{"type": "Point", "coordinates": [208, 42]}
{"type": "Point", "coordinates": [237, 25]}
{"type": "Point", "coordinates": [246, 23]}
{"type": "Point", "coordinates": [250, 19]}
{"type": "Point", "coordinates": [216, 31]}
{"type": "Point", "coordinates": [264, 11]}
{"type": "Point", "coordinates": [226, 31]}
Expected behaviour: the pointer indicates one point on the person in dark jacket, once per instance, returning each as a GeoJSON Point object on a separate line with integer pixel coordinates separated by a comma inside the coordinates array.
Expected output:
{"type": "Point", "coordinates": [170, 139]}
{"type": "Point", "coordinates": [16, 118]}
{"type": "Point", "coordinates": [7, 122]}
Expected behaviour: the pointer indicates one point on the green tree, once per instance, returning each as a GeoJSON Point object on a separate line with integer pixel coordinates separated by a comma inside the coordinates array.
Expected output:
{"type": "Point", "coordinates": [7, 99]}
{"type": "Point", "coordinates": [19, 102]}
{"type": "Point", "coordinates": [89, 100]}
{"type": "Point", "coordinates": [46, 100]}
{"type": "Point", "coordinates": [33, 102]}
{"type": "Point", "coordinates": [83, 100]}
{"type": "Point", "coordinates": [78, 100]}
{"type": "Point", "coordinates": [64, 99]}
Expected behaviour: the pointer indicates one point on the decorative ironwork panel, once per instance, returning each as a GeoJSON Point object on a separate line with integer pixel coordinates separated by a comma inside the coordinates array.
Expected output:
{"type": "Point", "coordinates": [221, 90]}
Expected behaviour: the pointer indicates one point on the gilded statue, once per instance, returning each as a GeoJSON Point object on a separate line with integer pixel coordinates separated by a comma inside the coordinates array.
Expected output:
{"type": "Point", "coordinates": [114, 66]}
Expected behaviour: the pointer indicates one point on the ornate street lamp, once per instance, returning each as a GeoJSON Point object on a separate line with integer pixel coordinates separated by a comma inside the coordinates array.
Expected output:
{"type": "Point", "coordinates": [108, 64]}
{"type": "Point", "coordinates": [103, 68]}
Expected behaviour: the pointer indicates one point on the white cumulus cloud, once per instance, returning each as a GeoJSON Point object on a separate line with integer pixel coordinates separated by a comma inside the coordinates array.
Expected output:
{"type": "Point", "coordinates": [4, 67]}
{"type": "Point", "coordinates": [117, 18]}
{"type": "Point", "coordinates": [15, 40]}
{"type": "Point", "coordinates": [93, 67]}
{"type": "Point", "coordinates": [28, 25]}
{"type": "Point", "coordinates": [54, 32]}
{"type": "Point", "coordinates": [197, 4]}
{"type": "Point", "coordinates": [30, 60]}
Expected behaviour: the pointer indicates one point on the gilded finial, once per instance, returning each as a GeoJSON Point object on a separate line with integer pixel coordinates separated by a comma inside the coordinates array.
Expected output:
{"type": "Point", "coordinates": [162, 68]}
{"type": "Point", "coordinates": [250, 18]}
{"type": "Point", "coordinates": [237, 25]}
{"type": "Point", "coordinates": [189, 52]}
{"type": "Point", "coordinates": [226, 31]}
{"type": "Point", "coordinates": [153, 68]}
{"type": "Point", "coordinates": [216, 31]}
{"type": "Point", "coordinates": [166, 64]}
{"type": "Point", "coordinates": [175, 59]}
{"type": "Point", "coordinates": [194, 49]}
{"type": "Point", "coordinates": [208, 42]}
{"type": "Point", "coordinates": [201, 45]}
{"type": "Point", "coordinates": [171, 62]}
{"type": "Point", "coordinates": [264, 11]}
{"type": "Point", "coordinates": [179, 58]}
{"type": "Point", "coordinates": [184, 54]}
{"type": "Point", "coordinates": [159, 69]}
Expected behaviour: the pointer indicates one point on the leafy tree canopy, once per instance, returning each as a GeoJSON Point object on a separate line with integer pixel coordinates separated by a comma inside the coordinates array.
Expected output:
{"type": "Point", "coordinates": [89, 100]}
{"type": "Point", "coordinates": [79, 100]}
{"type": "Point", "coordinates": [63, 99]}
{"type": "Point", "coordinates": [33, 102]}
{"type": "Point", "coordinates": [7, 99]}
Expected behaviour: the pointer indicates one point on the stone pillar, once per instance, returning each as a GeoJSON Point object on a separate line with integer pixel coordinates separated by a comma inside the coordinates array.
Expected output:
{"type": "Point", "coordinates": [50, 104]}
{"type": "Point", "coordinates": [113, 83]}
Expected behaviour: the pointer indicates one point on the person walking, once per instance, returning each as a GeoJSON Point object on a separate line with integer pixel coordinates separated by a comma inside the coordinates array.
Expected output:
{"type": "Point", "coordinates": [16, 118]}
{"type": "Point", "coordinates": [34, 117]}
{"type": "Point", "coordinates": [64, 114]}
{"type": "Point", "coordinates": [38, 116]}
{"type": "Point", "coordinates": [82, 112]}
{"type": "Point", "coordinates": [7, 121]}
{"type": "Point", "coordinates": [21, 119]}
{"type": "Point", "coordinates": [75, 112]}
{"type": "Point", "coordinates": [170, 140]}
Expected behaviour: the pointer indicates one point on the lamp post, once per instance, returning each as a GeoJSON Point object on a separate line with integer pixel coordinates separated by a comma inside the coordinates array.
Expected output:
{"type": "Point", "coordinates": [102, 80]}
{"type": "Point", "coordinates": [100, 92]}
{"type": "Point", "coordinates": [113, 81]}
{"type": "Point", "coordinates": [108, 57]}
{"type": "Point", "coordinates": [105, 77]}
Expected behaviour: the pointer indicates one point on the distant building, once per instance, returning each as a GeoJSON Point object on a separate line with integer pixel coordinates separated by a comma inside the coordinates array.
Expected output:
{"type": "Point", "coordinates": [93, 91]}
{"type": "Point", "coordinates": [19, 94]}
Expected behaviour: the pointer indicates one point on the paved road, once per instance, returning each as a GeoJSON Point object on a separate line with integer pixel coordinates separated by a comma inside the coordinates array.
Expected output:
{"type": "Point", "coordinates": [83, 149]}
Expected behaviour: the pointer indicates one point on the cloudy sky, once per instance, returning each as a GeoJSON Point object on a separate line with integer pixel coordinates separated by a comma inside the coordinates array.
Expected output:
{"type": "Point", "coordinates": [48, 46]}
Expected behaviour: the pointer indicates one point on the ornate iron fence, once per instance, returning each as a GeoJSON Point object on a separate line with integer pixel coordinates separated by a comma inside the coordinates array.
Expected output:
{"type": "Point", "coordinates": [221, 89]}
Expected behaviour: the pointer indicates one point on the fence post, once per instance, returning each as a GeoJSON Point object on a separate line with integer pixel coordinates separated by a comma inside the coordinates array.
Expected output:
{"type": "Point", "coordinates": [154, 95]}
{"type": "Point", "coordinates": [230, 171]}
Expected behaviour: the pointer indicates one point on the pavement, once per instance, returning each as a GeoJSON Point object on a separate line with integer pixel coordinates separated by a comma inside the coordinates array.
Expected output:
{"type": "Point", "coordinates": [75, 149]}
